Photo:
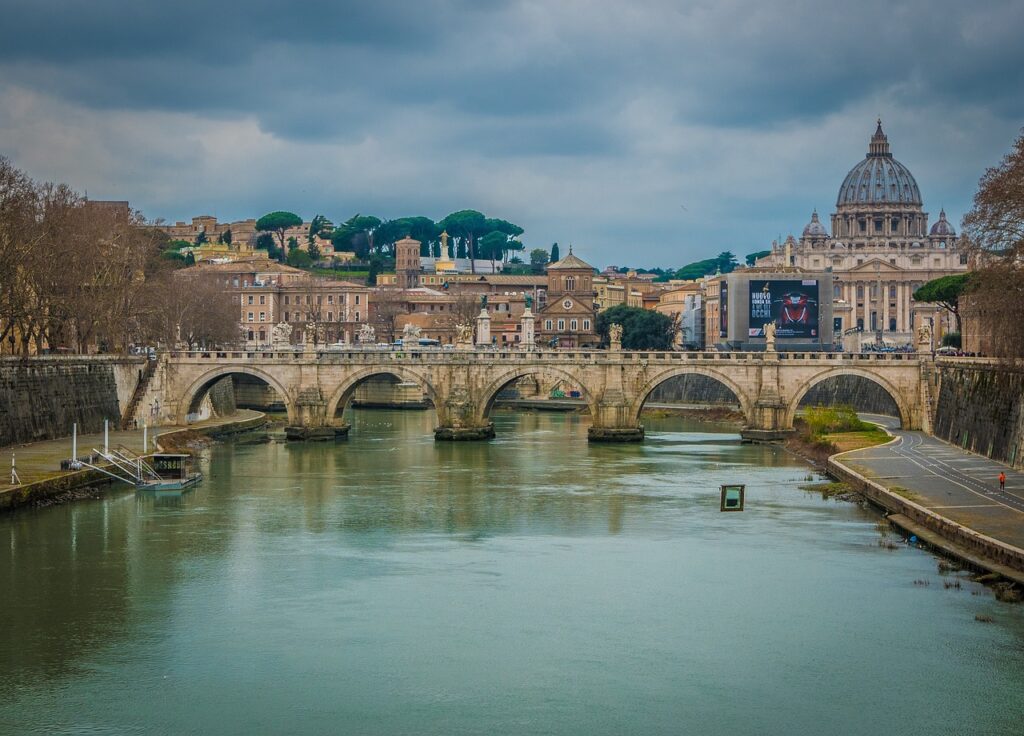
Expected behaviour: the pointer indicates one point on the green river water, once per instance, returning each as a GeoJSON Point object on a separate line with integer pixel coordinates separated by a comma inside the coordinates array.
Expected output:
{"type": "Point", "coordinates": [534, 584]}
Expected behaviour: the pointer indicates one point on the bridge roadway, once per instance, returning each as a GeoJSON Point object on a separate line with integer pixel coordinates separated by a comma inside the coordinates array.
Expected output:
{"type": "Point", "coordinates": [316, 385]}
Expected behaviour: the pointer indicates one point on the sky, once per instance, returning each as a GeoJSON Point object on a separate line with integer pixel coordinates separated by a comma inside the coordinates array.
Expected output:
{"type": "Point", "coordinates": [645, 133]}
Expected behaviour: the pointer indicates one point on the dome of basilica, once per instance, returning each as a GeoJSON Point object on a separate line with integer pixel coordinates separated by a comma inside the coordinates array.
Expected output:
{"type": "Point", "coordinates": [879, 178]}
{"type": "Point", "coordinates": [942, 227]}
{"type": "Point", "coordinates": [814, 228]}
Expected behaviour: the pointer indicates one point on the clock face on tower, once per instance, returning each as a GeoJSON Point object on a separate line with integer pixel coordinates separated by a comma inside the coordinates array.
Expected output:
{"type": "Point", "coordinates": [567, 304]}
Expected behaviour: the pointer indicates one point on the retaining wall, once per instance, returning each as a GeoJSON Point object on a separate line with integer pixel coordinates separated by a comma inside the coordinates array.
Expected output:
{"type": "Point", "coordinates": [980, 408]}
{"type": "Point", "coordinates": [40, 398]}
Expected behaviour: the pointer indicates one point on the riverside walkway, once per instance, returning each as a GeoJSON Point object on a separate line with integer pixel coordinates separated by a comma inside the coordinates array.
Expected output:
{"type": "Point", "coordinates": [41, 460]}
{"type": "Point", "coordinates": [948, 481]}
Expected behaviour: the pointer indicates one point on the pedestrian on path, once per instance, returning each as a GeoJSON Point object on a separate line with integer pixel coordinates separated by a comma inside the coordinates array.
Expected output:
{"type": "Point", "coordinates": [1002, 481]}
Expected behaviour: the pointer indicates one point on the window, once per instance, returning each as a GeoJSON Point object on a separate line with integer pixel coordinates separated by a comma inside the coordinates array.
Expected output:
{"type": "Point", "coordinates": [286, 316]}
{"type": "Point", "coordinates": [357, 316]}
{"type": "Point", "coordinates": [570, 283]}
{"type": "Point", "coordinates": [574, 325]}
{"type": "Point", "coordinates": [251, 336]}
{"type": "Point", "coordinates": [895, 224]}
{"type": "Point", "coordinates": [308, 300]}
{"type": "Point", "coordinates": [837, 291]}
{"type": "Point", "coordinates": [319, 298]}
{"type": "Point", "coordinates": [250, 316]}
{"type": "Point", "coordinates": [863, 225]}
{"type": "Point", "coordinates": [234, 282]}
{"type": "Point", "coordinates": [963, 259]}
{"type": "Point", "coordinates": [263, 299]}
{"type": "Point", "coordinates": [263, 316]}
{"type": "Point", "coordinates": [263, 335]}
{"type": "Point", "coordinates": [561, 325]}
{"type": "Point", "coordinates": [548, 325]}
{"type": "Point", "coordinates": [892, 291]}
{"type": "Point", "coordinates": [878, 226]}
{"type": "Point", "coordinates": [342, 299]}
{"type": "Point", "coordinates": [330, 298]}
{"type": "Point", "coordinates": [287, 299]}
{"type": "Point", "coordinates": [892, 324]}
{"type": "Point", "coordinates": [860, 291]}
{"type": "Point", "coordinates": [586, 325]}
{"type": "Point", "coordinates": [357, 298]}
{"type": "Point", "coordinates": [250, 299]}
{"type": "Point", "coordinates": [330, 316]}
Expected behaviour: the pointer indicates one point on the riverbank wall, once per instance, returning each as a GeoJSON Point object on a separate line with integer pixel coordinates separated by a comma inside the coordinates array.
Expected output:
{"type": "Point", "coordinates": [42, 397]}
{"type": "Point", "coordinates": [980, 408]}
{"type": "Point", "coordinates": [76, 484]}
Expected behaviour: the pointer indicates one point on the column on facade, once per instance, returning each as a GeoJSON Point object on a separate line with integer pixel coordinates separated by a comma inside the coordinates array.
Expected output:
{"type": "Point", "coordinates": [866, 313]}
{"type": "Point", "coordinates": [885, 305]}
{"type": "Point", "coordinates": [899, 307]}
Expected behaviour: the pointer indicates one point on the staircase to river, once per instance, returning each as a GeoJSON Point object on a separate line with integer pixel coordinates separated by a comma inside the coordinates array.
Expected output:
{"type": "Point", "coordinates": [128, 417]}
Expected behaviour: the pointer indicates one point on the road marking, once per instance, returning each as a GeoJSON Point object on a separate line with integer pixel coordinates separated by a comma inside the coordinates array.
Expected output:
{"type": "Point", "coordinates": [969, 506]}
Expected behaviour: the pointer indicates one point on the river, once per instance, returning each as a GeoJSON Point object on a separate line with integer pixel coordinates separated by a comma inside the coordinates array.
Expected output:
{"type": "Point", "coordinates": [534, 584]}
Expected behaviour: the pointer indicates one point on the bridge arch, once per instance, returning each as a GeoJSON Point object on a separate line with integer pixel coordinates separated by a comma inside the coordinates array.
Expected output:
{"type": "Point", "coordinates": [745, 401]}
{"type": "Point", "coordinates": [192, 397]}
{"type": "Point", "coordinates": [495, 386]}
{"type": "Point", "coordinates": [343, 393]}
{"type": "Point", "coordinates": [902, 405]}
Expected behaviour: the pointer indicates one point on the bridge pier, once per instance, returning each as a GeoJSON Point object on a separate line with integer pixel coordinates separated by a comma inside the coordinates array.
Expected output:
{"type": "Point", "coordinates": [458, 418]}
{"type": "Point", "coordinates": [614, 421]}
{"type": "Point", "coordinates": [313, 426]}
{"type": "Point", "coordinates": [769, 416]}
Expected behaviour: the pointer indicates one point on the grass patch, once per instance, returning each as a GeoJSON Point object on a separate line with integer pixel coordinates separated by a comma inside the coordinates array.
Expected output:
{"type": "Point", "coordinates": [827, 489]}
{"type": "Point", "coordinates": [838, 429]}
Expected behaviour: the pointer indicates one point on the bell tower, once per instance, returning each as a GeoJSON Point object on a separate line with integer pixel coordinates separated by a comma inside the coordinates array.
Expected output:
{"type": "Point", "coordinates": [407, 263]}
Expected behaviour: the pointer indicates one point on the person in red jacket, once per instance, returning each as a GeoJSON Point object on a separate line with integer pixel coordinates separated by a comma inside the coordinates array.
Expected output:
{"type": "Point", "coordinates": [1002, 481]}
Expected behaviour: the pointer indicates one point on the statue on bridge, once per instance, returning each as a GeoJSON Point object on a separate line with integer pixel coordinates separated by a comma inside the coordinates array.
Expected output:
{"type": "Point", "coordinates": [924, 337]}
{"type": "Point", "coordinates": [615, 337]}
{"type": "Point", "coordinates": [410, 333]}
{"type": "Point", "coordinates": [769, 337]}
{"type": "Point", "coordinates": [281, 335]}
{"type": "Point", "coordinates": [464, 336]}
{"type": "Point", "coordinates": [367, 335]}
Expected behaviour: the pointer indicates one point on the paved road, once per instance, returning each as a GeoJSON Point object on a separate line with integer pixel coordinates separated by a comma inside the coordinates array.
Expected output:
{"type": "Point", "coordinates": [957, 484]}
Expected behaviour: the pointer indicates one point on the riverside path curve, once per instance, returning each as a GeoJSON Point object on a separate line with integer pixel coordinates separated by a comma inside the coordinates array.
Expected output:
{"type": "Point", "coordinates": [950, 484]}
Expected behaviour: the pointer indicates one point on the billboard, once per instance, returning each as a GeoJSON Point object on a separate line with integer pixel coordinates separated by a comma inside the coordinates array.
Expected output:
{"type": "Point", "coordinates": [723, 308]}
{"type": "Point", "coordinates": [792, 304]}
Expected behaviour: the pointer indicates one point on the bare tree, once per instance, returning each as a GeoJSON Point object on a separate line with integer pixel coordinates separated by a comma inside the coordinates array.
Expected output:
{"type": "Point", "coordinates": [386, 306]}
{"type": "Point", "coordinates": [993, 232]}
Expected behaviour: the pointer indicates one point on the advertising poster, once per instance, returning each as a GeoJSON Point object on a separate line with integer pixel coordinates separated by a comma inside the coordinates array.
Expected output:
{"type": "Point", "coordinates": [723, 309]}
{"type": "Point", "coordinates": [791, 304]}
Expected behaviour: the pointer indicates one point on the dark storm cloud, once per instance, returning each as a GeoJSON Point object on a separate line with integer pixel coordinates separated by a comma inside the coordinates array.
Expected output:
{"type": "Point", "coordinates": [576, 114]}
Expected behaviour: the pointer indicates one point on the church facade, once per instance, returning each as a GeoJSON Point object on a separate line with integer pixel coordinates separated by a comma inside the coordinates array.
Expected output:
{"type": "Point", "coordinates": [879, 252]}
{"type": "Point", "coordinates": [568, 320]}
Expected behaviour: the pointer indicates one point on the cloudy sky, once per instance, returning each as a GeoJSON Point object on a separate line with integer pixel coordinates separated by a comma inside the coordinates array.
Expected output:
{"type": "Point", "coordinates": [647, 132]}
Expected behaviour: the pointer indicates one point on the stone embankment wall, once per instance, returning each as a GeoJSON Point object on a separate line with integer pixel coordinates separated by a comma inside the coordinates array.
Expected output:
{"type": "Point", "coordinates": [41, 398]}
{"type": "Point", "coordinates": [693, 389]}
{"type": "Point", "coordinates": [860, 393]}
{"type": "Point", "coordinates": [980, 407]}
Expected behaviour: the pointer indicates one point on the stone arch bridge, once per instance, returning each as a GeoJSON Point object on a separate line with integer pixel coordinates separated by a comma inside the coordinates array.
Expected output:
{"type": "Point", "coordinates": [463, 385]}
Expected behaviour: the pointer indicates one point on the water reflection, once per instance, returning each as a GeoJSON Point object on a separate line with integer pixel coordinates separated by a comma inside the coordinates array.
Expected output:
{"type": "Point", "coordinates": [533, 583]}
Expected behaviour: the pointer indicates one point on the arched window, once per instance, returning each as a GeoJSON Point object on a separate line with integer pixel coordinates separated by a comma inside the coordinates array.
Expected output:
{"type": "Point", "coordinates": [548, 325]}
{"type": "Point", "coordinates": [561, 325]}
{"type": "Point", "coordinates": [570, 283]}
{"type": "Point", "coordinates": [574, 325]}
